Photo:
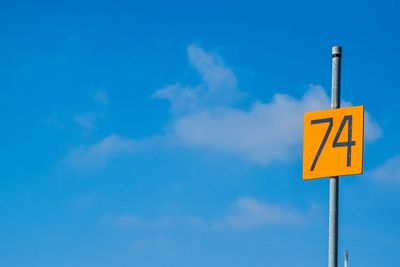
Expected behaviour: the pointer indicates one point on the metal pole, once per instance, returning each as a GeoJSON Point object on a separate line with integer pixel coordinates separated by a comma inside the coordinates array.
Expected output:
{"type": "Point", "coordinates": [346, 258]}
{"type": "Point", "coordinates": [334, 181]}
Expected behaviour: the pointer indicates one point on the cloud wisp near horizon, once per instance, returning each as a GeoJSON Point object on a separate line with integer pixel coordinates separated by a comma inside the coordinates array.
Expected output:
{"type": "Point", "coordinates": [206, 116]}
{"type": "Point", "coordinates": [244, 213]}
{"type": "Point", "coordinates": [387, 173]}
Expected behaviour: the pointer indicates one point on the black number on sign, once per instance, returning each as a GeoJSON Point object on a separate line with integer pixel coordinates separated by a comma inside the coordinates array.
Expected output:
{"type": "Point", "coordinates": [321, 147]}
{"type": "Point", "coordinates": [349, 143]}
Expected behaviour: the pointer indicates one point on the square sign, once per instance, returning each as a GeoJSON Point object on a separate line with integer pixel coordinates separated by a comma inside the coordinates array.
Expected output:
{"type": "Point", "coordinates": [333, 142]}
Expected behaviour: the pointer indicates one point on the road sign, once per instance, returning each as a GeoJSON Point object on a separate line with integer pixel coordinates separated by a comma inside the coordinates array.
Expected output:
{"type": "Point", "coordinates": [333, 142]}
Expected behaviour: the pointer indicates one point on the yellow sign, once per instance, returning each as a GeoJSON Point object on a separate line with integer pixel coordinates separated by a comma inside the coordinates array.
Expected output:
{"type": "Point", "coordinates": [333, 142]}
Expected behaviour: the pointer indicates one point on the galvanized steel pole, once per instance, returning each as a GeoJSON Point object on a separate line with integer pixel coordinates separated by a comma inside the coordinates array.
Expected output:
{"type": "Point", "coordinates": [334, 181]}
{"type": "Point", "coordinates": [346, 258]}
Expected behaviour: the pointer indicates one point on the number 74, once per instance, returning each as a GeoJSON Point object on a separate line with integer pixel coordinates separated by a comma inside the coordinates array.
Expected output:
{"type": "Point", "coordinates": [347, 120]}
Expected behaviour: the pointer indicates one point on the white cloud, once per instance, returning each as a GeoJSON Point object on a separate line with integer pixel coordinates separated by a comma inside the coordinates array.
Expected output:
{"type": "Point", "coordinates": [267, 132]}
{"type": "Point", "coordinates": [182, 99]}
{"type": "Point", "coordinates": [218, 85]}
{"type": "Point", "coordinates": [212, 70]}
{"type": "Point", "coordinates": [86, 120]}
{"type": "Point", "coordinates": [98, 155]}
{"type": "Point", "coordinates": [372, 129]}
{"type": "Point", "coordinates": [248, 213]}
{"type": "Point", "coordinates": [101, 97]}
{"type": "Point", "coordinates": [388, 172]}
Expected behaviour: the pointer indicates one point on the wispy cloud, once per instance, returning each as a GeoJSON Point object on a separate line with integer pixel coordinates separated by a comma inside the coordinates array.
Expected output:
{"type": "Point", "coordinates": [86, 120]}
{"type": "Point", "coordinates": [387, 173]}
{"type": "Point", "coordinates": [244, 213]}
{"type": "Point", "coordinates": [96, 156]}
{"type": "Point", "coordinates": [248, 212]}
{"type": "Point", "coordinates": [218, 86]}
{"type": "Point", "coordinates": [372, 129]}
{"type": "Point", "coordinates": [212, 70]}
{"type": "Point", "coordinates": [267, 132]}
{"type": "Point", "coordinates": [101, 97]}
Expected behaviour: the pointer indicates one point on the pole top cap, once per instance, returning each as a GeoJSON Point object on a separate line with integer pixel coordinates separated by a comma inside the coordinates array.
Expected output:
{"type": "Point", "coordinates": [336, 50]}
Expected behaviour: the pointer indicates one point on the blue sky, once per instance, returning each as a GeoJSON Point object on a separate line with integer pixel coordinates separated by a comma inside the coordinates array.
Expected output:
{"type": "Point", "coordinates": [170, 133]}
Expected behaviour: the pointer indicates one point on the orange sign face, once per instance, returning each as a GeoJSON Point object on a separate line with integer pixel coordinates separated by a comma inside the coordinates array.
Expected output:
{"type": "Point", "coordinates": [333, 142]}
